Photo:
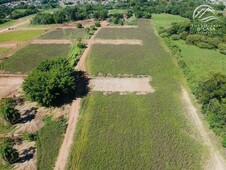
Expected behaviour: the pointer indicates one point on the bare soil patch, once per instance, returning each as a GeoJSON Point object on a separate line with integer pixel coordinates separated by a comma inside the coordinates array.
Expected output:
{"type": "Point", "coordinates": [216, 161]}
{"type": "Point", "coordinates": [118, 41]}
{"type": "Point", "coordinates": [9, 45]}
{"type": "Point", "coordinates": [39, 41]}
{"type": "Point", "coordinates": [124, 26]}
{"type": "Point", "coordinates": [9, 85]}
{"type": "Point", "coordinates": [110, 84]}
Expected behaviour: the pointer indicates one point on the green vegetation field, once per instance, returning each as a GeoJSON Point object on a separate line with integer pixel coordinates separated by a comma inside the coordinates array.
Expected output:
{"type": "Point", "coordinates": [202, 61]}
{"type": "Point", "coordinates": [165, 20]}
{"type": "Point", "coordinates": [30, 56]}
{"type": "Point", "coordinates": [119, 33]}
{"type": "Point", "coordinates": [22, 35]}
{"type": "Point", "coordinates": [137, 132]}
{"type": "Point", "coordinates": [65, 34]}
{"type": "Point", "coordinates": [50, 138]}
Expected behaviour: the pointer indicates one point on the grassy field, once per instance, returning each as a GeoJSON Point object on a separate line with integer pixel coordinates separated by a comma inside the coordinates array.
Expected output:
{"type": "Point", "coordinates": [3, 50]}
{"type": "Point", "coordinates": [118, 33]}
{"type": "Point", "coordinates": [138, 132]}
{"type": "Point", "coordinates": [65, 34]}
{"type": "Point", "coordinates": [22, 35]}
{"type": "Point", "coordinates": [30, 56]}
{"type": "Point", "coordinates": [165, 20]}
{"type": "Point", "coordinates": [202, 61]}
{"type": "Point", "coordinates": [50, 138]}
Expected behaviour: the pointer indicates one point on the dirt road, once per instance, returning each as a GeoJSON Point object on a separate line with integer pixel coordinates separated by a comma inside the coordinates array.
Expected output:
{"type": "Point", "coordinates": [118, 42]}
{"type": "Point", "coordinates": [39, 41]}
{"type": "Point", "coordinates": [16, 25]}
{"type": "Point", "coordinates": [216, 161]}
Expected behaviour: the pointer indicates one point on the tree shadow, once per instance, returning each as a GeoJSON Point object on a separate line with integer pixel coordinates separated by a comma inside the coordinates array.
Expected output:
{"type": "Point", "coordinates": [28, 115]}
{"type": "Point", "coordinates": [82, 89]}
{"type": "Point", "coordinates": [27, 155]}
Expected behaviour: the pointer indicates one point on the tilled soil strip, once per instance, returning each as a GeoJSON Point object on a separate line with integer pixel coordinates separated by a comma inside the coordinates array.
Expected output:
{"type": "Point", "coordinates": [118, 41]}
{"type": "Point", "coordinates": [125, 26]}
{"type": "Point", "coordinates": [38, 41]}
{"type": "Point", "coordinates": [110, 84]}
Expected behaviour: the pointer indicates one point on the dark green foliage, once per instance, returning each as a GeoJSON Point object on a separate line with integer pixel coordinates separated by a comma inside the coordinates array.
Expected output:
{"type": "Point", "coordinates": [8, 153]}
{"type": "Point", "coordinates": [51, 83]}
{"type": "Point", "coordinates": [79, 25]}
{"type": "Point", "coordinates": [8, 111]}
{"type": "Point", "coordinates": [97, 24]}
{"type": "Point", "coordinates": [204, 45]}
{"type": "Point", "coordinates": [212, 94]}
{"type": "Point", "coordinates": [81, 45]}
{"type": "Point", "coordinates": [220, 6]}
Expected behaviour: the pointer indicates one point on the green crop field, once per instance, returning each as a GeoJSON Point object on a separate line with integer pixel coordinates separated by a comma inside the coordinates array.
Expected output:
{"type": "Point", "coordinates": [138, 132]}
{"type": "Point", "coordinates": [22, 35]}
{"type": "Point", "coordinates": [50, 138]}
{"type": "Point", "coordinates": [65, 34]}
{"type": "Point", "coordinates": [165, 20]}
{"type": "Point", "coordinates": [202, 61]}
{"type": "Point", "coordinates": [119, 33]}
{"type": "Point", "coordinates": [29, 57]}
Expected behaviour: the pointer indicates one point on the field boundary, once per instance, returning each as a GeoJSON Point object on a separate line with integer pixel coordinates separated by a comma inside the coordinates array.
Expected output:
{"type": "Point", "coordinates": [50, 41]}
{"type": "Point", "coordinates": [118, 41]}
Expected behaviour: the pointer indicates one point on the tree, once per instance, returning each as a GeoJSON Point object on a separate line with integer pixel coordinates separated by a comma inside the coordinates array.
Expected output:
{"type": "Point", "coordinates": [79, 25]}
{"type": "Point", "coordinates": [51, 83]}
{"type": "Point", "coordinates": [9, 153]}
{"type": "Point", "coordinates": [9, 112]}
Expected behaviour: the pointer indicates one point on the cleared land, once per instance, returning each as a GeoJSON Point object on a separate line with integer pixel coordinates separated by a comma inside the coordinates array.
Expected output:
{"type": "Point", "coordinates": [23, 35]}
{"type": "Point", "coordinates": [64, 34]}
{"type": "Point", "coordinates": [118, 42]}
{"type": "Point", "coordinates": [137, 132]}
{"type": "Point", "coordinates": [30, 56]}
{"type": "Point", "coordinates": [139, 85]}
{"type": "Point", "coordinates": [46, 41]}
{"type": "Point", "coordinates": [3, 50]}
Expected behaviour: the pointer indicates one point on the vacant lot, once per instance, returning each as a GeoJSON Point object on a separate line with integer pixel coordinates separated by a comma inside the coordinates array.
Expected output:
{"type": "Point", "coordinates": [65, 34]}
{"type": "Point", "coordinates": [165, 20]}
{"type": "Point", "coordinates": [202, 61]}
{"type": "Point", "coordinates": [22, 35]}
{"type": "Point", "coordinates": [119, 33]}
{"type": "Point", "coordinates": [137, 132]}
{"type": "Point", "coordinates": [30, 56]}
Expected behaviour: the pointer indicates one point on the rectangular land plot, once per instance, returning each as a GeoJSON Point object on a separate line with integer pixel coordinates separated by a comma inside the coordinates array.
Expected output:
{"type": "Point", "coordinates": [21, 35]}
{"type": "Point", "coordinates": [30, 56]}
{"type": "Point", "coordinates": [138, 132]}
{"type": "Point", "coordinates": [119, 33]}
{"type": "Point", "coordinates": [64, 34]}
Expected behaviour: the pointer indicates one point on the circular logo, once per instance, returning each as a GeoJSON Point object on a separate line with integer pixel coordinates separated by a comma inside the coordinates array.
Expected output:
{"type": "Point", "coordinates": [204, 13]}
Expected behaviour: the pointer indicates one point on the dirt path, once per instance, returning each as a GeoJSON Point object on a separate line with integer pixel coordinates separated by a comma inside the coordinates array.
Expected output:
{"type": "Point", "coordinates": [216, 161]}
{"type": "Point", "coordinates": [39, 41]}
{"type": "Point", "coordinates": [9, 45]}
{"type": "Point", "coordinates": [124, 26]}
{"type": "Point", "coordinates": [16, 25]}
{"type": "Point", "coordinates": [118, 42]}
{"type": "Point", "coordinates": [82, 65]}
{"type": "Point", "coordinates": [109, 84]}
{"type": "Point", "coordinates": [69, 136]}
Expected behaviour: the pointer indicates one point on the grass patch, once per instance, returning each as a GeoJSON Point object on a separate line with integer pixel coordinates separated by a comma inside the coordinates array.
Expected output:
{"type": "Point", "coordinates": [165, 20]}
{"type": "Point", "coordinates": [138, 132]}
{"type": "Point", "coordinates": [119, 33]}
{"type": "Point", "coordinates": [22, 35]}
{"type": "Point", "coordinates": [3, 50]}
{"type": "Point", "coordinates": [29, 57]}
{"type": "Point", "coordinates": [202, 61]}
{"type": "Point", "coordinates": [65, 34]}
{"type": "Point", "coordinates": [117, 11]}
{"type": "Point", "coordinates": [50, 138]}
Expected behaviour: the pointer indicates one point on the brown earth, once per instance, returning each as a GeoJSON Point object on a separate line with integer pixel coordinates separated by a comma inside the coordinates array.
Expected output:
{"type": "Point", "coordinates": [39, 41]}
{"type": "Point", "coordinates": [118, 41]}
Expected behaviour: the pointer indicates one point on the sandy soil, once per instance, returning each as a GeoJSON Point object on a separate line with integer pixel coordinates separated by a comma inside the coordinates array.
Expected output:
{"type": "Point", "coordinates": [69, 136]}
{"type": "Point", "coordinates": [118, 42]}
{"type": "Point", "coordinates": [9, 45]}
{"type": "Point", "coordinates": [9, 85]}
{"type": "Point", "coordinates": [110, 84]}
{"type": "Point", "coordinates": [216, 161]}
{"type": "Point", "coordinates": [39, 41]}
{"type": "Point", "coordinates": [124, 26]}
{"type": "Point", "coordinates": [27, 156]}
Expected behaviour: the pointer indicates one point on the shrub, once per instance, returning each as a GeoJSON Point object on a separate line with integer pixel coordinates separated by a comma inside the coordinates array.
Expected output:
{"type": "Point", "coordinates": [81, 45]}
{"type": "Point", "coordinates": [163, 35]}
{"type": "Point", "coordinates": [183, 35]}
{"type": "Point", "coordinates": [175, 37]}
{"type": "Point", "coordinates": [222, 46]}
{"type": "Point", "coordinates": [192, 39]}
{"type": "Point", "coordinates": [97, 24]}
{"type": "Point", "coordinates": [223, 52]}
{"type": "Point", "coordinates": [204, 45]}
{"type": "Point", "coordinates": [9, 153]}
{"type": "Point", "coordinates": [224, 141]}
{"type": "Point", "coordinates": [79, 25]}
{"type": "Point", "coordinates": [51, 83]}
{"type": "Point", "coordinates": [8, 111]}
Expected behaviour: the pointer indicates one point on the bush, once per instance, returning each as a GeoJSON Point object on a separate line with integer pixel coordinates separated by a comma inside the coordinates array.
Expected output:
{"type": "Point", "coordinates": [175, 37]}
{"type": "Point", "coordinates": [51, 83]}
{"type": "Point", "coordinates": [9, 153]}
{"type": "Point", "coordinates": [8, 111]}
{"type": "Point", "coordinates": [222, 46]}
{"type": "Point", "coordinates": [79, 25]}
{"type": "Point", "coordinates": [183, 35]}
{"type": "Point", "coordinates": [223, 52]}
{"type": "Point", "coordinates": [81, 45]}
{"type": "Point", "coordinates": [97, 24]}
{"type": "Point", "coordinates": [224, 142]}
{"type": "Point", "coordinates": [204, 45]}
